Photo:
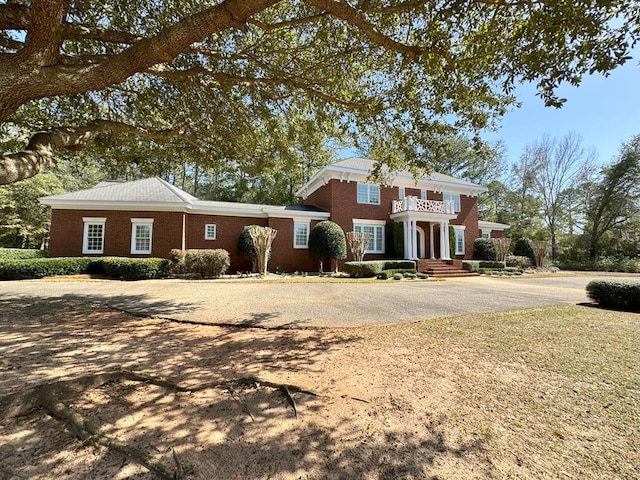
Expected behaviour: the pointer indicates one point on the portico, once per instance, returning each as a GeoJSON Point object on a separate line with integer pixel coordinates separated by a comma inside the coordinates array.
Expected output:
{"type": "Point", "coordinates": [411, 211]}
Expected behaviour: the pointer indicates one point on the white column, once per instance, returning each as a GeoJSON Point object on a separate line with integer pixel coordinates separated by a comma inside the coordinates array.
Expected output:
{"type": "Point", "coordinates": [444, 241]}
{"type": "Point", "coordinates": [405, 230]}
{"type": "Point", "coordinates": [431, 244]}
{"type": "Point", "coordinates": [414, 240]}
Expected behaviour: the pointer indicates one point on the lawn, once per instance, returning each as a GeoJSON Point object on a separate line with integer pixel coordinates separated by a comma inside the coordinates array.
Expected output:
{"type": "Point", "coordinates": [540, 393]}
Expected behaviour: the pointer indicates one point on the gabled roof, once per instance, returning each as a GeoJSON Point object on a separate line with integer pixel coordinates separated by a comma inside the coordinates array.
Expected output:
{"type": "Point", "coordinates": [358, 169]}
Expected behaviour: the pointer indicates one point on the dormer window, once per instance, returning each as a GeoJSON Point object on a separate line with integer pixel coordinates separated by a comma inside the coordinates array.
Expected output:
{"type": "Point", "coordinates": [368, 194]}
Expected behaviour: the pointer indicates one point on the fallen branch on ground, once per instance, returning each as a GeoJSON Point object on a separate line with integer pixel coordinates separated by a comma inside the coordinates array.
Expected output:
{"type": "Point", "coordinates": [50, 398]}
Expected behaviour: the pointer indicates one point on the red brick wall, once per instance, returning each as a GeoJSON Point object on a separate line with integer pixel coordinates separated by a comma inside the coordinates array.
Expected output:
{"type": "Point", "coordinates": [283, 256]}
{"type": "Point", "coordinates": [67, 231]}
{"type": "Point", "coordinates": [468, 217]}
{"type": "Point", "coordinates": [228, 230]}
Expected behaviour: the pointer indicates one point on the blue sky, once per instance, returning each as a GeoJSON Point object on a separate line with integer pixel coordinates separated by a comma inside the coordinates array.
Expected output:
{"type": "Point", "coordinates": [604, 111]}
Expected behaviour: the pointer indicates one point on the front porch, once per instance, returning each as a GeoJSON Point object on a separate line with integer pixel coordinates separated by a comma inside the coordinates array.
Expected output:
{"type": "Point", "coordinates": [419, 219]}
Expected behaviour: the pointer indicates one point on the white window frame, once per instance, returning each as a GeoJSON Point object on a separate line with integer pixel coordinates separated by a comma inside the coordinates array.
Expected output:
{"type": "Point", "coordinates": [423, 194]}
{"type": "Point", "coordinates": [453, 197]}
{"type": "Point", "coordinates": [364, 194]}
{"type": "Point", "coordinates": [207, 231]}
{"type": "Point", "coordinates": [101, 221]}
{"type": "Point", "coordinates": [307, 227]}
{"type": "Point", "coordinates": [460, 241]}
{"type": "Point", "coordinates": [486, 234]}
{"type": "Point", "coordinates": [138, 222]}
{"type": "Point", "coordinates": [401, 193]}
{"type": "Point", "coordinates": [378, 233]}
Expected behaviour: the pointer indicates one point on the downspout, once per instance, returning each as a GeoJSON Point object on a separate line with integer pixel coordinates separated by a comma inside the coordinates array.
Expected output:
{"type": "Point", "coordinates": [184, 231]}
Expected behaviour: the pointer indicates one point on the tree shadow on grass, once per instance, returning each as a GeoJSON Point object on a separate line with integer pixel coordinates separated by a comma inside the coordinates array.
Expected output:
{"type": "Point", "coordinates": [246, 432]}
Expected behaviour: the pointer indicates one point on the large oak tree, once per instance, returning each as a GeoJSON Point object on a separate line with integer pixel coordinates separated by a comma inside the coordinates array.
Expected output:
{"type": "Point", "coordinates": [212, 77]}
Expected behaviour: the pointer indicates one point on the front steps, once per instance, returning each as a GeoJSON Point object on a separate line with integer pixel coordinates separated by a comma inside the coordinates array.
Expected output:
{"type": "Point", "coordinates": [443, 268]}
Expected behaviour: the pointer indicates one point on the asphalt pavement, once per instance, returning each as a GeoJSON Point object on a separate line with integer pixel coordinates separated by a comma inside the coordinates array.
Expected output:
{"type": "Point", "coordinates": [269, 303]}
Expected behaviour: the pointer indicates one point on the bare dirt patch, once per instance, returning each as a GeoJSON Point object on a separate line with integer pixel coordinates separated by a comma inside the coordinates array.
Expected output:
{"type": "Point", "coordinates": [541, 393]}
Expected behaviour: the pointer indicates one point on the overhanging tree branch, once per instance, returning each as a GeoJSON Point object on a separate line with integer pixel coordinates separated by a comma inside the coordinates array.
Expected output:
{"type": "Point", "coordinates": [39, 153]}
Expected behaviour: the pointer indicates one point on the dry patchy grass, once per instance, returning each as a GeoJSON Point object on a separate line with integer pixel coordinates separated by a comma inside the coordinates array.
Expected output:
{"type": "Point", "coordinates": [540, 393]}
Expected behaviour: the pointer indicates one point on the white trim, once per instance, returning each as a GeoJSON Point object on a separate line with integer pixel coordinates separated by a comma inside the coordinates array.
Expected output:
{"type": "Point", "coordinates": [368, 199]}
{"type": "Point", "coordinates": [141, 222]}
{"type": "Point", "coordinates": [368, 221]}
{"type": "Point", "coordinates": [88, 221]}
{"type": "Point", "coordinates": [307, 225]}
{"type": "Point", "coordinates": [459, 229]}
{"type": "Point", "coordinates": [206, 231]}
{"type": "Point", "coordinates": [438, 184]}
{"type": "Point", "coordinates": [452, 200]}
{"type": "Point", "coordinates": [377, 227]}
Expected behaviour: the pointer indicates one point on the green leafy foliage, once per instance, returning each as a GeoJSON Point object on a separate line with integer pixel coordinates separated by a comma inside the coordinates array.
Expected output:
{"type": "Point", "coordinates": [327, 241]}
{"type": "Point", "coordinates": [394, 240]}
{"type": "Point", "coordinates": [21, 253]}
{"type": "Point", "coordinates": [114, 267]}
{"type": "Point", "coordinates": [134, 268]}
{"type": "Point", "coordinates": [483, 249]}
{"type": "Point", "coordinates": [522, 262]}
{"type": "Point", "coordinates": [45, 267]}
{"type": "Point", "coordinates": [523, 248]}
{"type": "Point", "coordinates": [374, 268]}
{"type": "Point", "coordinates": [621, 294]}
{"type": "Point", "coordinates": [206, 263]}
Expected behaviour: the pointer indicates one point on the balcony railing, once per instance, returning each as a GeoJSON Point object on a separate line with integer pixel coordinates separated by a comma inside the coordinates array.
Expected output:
{"type": "Point", "coordinates": [415, 204]}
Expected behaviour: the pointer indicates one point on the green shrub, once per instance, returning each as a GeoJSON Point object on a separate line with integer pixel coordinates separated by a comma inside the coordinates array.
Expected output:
{"type": "Point", "coordinates": [21, 253]}
{"type": "Point", "coordinates": [373, 268]}
{"type": "Point", "coordinates": [392, 271]}
{"type": "Point", "coordinates": [364, 269]}
{"type": "Point", "coordinates": [206, 263]}
{"type": "Point", "coordinates": [471, 265]}
{"type": "Point", "coordinates": [623, 294]}
{"type": "Point", "coordinates": [423, 276]}
{"type": "Point", "coordinates": [518, 261]}
{"type": "Point", "coordinates": [176, 255]}
{"type": "Point", "coordinates": [246, 248]}
{"type": "Point", "coordinates": [603, 264]}
{"type": "Point", "coordinates": [492, 264]}
{"type": "Point", "coordinates": [327, 241]}
{"type": "Point", "coordinates": [523, 248]}
{"type": "Point", "coordinates": [124, 268]}
{"type": "Point", "coordinates": [394, 239]}
{"type": "Point", "coordinates": [383, 275]}
{"type": "Point", "coordinates": [398, 276]}
{"type": "Point", "coordinates": [483, 249]}
{"type": "Point", "coordinates": [45, 267]}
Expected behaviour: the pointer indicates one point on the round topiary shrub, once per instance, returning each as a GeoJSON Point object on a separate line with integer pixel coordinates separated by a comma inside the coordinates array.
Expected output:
{"type": "Point", "coordinates": [327, 241]}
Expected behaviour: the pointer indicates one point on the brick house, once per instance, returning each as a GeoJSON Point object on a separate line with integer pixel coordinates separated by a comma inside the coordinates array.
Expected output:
{"type": "Point", "coordinates": [150, 217]}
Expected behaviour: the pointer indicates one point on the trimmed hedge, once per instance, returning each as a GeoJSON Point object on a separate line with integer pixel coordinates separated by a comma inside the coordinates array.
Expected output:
{"type": "Point", "coordinates": [327, 241]}
{"type": "Point", "coordinates": [21, 253]}
{"type": "Point", "coordinates": [374, 268]}
{"type": "Point", "coordinates": [45, 267]}
{"type": "Point", "coordinates": [115, 267]}
{"type": "Point", "coordinates": [135, 268]}
{"type": "Point", "coordinates": [622, 294]}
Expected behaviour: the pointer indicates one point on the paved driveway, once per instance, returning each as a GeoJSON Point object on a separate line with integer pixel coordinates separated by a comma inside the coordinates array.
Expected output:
{"type": "Point", "coordinates": [313, 304]}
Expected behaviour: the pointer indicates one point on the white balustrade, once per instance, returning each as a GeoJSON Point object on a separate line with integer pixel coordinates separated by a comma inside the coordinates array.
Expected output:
{"type": "Point", "coordinates": [415, 204]}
